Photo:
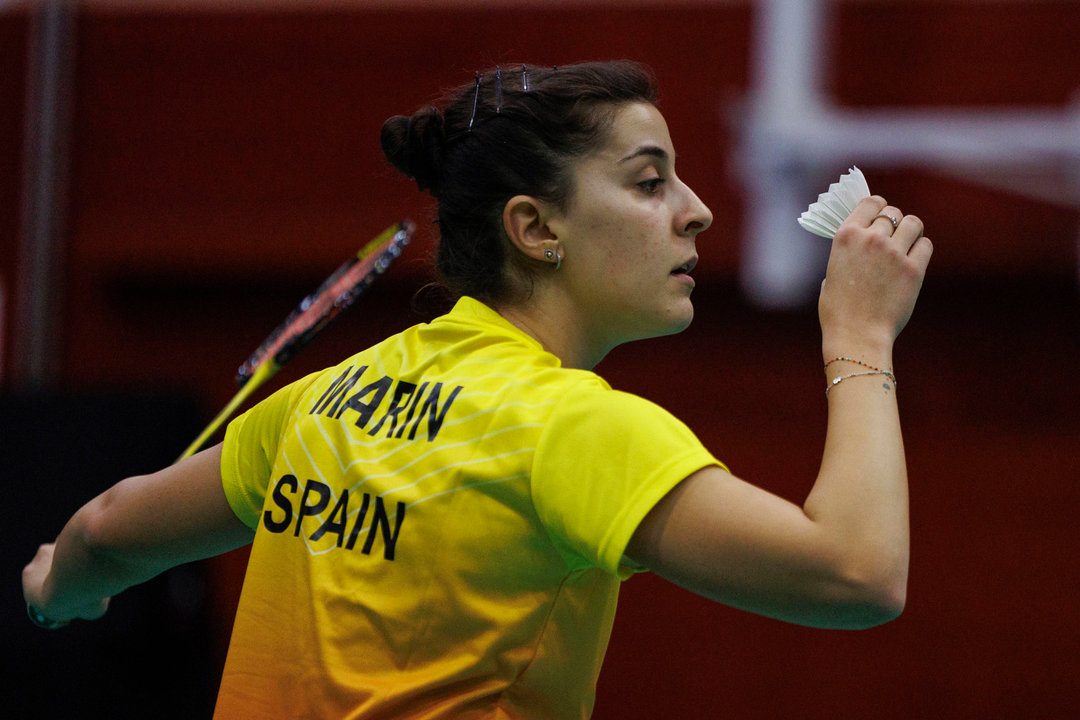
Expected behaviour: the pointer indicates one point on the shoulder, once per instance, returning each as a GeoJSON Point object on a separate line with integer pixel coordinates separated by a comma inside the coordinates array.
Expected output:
{"type": "Point", "coordinates": [592, 424]}
{"type": "Point", "coordinates": [588, 400]}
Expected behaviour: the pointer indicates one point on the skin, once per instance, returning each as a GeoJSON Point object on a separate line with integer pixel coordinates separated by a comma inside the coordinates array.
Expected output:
{"type": "Point", "coordinates": [841, 558]}
{"type": "Point", "coordinates": [629, 223]}
{"type": "Point", "coordinates": [838, 560]}
{"type": "Point", "coordinates": [133, 531]}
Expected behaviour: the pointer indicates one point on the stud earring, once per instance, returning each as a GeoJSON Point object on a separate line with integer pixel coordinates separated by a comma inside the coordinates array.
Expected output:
{"type": "Point", "coordinates": [553, 255]}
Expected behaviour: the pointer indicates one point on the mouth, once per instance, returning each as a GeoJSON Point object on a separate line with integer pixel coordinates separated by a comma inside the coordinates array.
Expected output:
{"type": "Point", "coordinates": [686, 267]}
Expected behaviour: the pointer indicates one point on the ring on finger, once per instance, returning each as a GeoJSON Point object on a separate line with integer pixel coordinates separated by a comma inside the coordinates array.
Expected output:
{"type": "Point", "coordinates": [895, 222]}
{"type": "Point", "coordinates": [41, 621]}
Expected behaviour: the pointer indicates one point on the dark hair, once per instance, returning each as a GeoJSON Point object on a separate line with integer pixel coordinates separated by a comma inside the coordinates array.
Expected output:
{"type": "Point", "coordinates": [529, 125]}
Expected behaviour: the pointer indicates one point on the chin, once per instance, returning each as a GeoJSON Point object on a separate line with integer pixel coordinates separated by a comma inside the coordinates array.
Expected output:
{"type": "Point", "coordinates": [675, 320]}
{"type": "Point", "coordinates": [683, 324]}
{"type": "Point", "coordinates": [685, 315]}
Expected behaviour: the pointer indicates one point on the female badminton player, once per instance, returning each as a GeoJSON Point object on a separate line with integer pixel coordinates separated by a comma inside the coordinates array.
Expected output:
{"type": "Point", "coordinates": [440, 523]}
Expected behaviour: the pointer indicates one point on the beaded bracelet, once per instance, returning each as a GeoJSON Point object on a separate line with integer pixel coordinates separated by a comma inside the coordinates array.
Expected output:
{"type": "Point", "coordinates": [870, 370]}
{"type": "Point", "coordinates": [857, 362]}
{"type": "Point", "coordinates": [839, 379]}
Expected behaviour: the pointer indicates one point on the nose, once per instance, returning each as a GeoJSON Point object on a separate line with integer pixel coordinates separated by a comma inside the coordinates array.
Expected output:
{"type": "Point", "coordinates": [695, 217]}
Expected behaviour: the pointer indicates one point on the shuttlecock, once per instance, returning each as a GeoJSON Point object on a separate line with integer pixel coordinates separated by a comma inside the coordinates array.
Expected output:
{"type": "Point", "coordinates": [833, 206]}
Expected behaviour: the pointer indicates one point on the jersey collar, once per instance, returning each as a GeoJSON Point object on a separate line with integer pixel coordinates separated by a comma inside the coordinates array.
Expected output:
{"type": "Point", "coordinates": [470, 309]}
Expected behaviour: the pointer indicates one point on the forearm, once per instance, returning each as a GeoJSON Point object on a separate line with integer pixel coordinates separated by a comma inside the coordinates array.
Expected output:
{"type": "Point", "coordinates": [861, 493]}
{"type": "Point", "coordinates": [838, 561]}
{"type": "Point", "coordinates": [86, 569]}
{"type": "Point", "coordinates": [137, 529]}
{"type": "Point", "coordinates": [860, 497]}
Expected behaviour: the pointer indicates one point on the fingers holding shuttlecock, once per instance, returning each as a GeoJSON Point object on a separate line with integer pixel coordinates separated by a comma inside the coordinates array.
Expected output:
{"type": "Point", "coordinates": [825, 216]}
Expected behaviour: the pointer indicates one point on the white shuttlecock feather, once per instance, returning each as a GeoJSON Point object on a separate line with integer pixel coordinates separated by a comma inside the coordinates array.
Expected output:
{"type": "Point", "coordinates": [833, 206]}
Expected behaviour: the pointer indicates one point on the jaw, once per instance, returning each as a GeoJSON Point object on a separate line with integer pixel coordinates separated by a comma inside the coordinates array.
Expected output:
{"type": "Point", "coordinates": [670, 319]}
{"type": "Point", "coordinates": [614, 316]}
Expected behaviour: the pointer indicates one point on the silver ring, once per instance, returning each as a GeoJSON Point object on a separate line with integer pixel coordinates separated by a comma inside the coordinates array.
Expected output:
{"type": "Point", "coordinates": [890, 218]}
{"type": "Point", "coordinates": [41, 621]}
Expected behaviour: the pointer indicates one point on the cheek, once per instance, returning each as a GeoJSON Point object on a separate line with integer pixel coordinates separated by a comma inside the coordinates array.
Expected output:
{"type": "Point", "coordinates": [604, 241]}
{"type": "Point", "coordinates": [623, 247]}
{"type": "Point", "coordinates": [622, 260]}
{"type": "Point", "coordinates": [637, 252]}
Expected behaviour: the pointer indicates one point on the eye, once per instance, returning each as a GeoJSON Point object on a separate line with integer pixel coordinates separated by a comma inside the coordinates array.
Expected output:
{"type": "Point", "coordinates": [652, 185]}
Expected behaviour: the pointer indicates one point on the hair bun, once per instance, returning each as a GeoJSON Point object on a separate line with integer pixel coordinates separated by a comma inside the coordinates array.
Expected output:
{"type": "Point", "coordinates": [414, 146]}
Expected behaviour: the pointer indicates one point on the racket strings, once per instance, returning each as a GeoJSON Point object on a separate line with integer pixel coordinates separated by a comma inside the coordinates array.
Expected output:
{"type": "Point", "coordinates": [319, 308]}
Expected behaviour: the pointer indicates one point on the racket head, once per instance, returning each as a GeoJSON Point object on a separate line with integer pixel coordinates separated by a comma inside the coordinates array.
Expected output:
{"type": "Point", "coordinates": [334, 295]}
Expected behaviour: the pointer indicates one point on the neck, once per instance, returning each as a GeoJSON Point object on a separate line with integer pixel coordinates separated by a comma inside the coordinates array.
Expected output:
{"type": "Point", "coordinates": [552, 321]}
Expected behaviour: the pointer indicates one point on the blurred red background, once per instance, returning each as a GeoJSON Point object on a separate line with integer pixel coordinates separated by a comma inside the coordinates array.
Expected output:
{"type": "Point", "coordinates": [224, 160]}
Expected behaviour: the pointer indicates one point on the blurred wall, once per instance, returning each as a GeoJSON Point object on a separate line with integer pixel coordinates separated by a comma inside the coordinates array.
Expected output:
{"type": "Point", "coordinates": [224, 160]}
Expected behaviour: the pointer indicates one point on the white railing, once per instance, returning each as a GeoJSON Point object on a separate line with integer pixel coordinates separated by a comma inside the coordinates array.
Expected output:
{"type": "Point", "coordinates": [791, 133]}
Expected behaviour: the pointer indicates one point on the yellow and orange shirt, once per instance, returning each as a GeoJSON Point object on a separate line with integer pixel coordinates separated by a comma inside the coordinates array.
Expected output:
{"type": "Point", "coordinates": [440, 526]}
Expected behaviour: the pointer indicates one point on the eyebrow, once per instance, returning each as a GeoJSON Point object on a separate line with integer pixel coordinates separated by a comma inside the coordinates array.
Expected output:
{"type": "Point", "coordinates": [649, 150]}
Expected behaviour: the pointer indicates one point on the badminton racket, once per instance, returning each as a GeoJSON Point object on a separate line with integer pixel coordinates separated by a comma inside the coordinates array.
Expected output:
{"type": "Point", "coordinates": [310, 318]}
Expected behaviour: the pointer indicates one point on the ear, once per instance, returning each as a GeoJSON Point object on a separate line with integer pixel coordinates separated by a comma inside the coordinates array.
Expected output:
{"type": "Point", "coordinates": [525, 221]}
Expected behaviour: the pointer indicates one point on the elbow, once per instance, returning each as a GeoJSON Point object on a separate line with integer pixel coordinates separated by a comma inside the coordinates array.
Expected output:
{"type": "Point", "coordinates": [863, 590]}
{"type": "Point", "coordinates": [894, 599]}
{"type": "Point", "coordinates": [90, 530]}
{"type": "Point", "coordinates": [884, 607]}
{"type": "Point", "coordinates": [94, 526]}
{"type": "Point", "coordinates": [860, 611]}
{"type": "Point", "coordinates": [890, 585]}
{"type": "Point", "coordinates": [877, 599]}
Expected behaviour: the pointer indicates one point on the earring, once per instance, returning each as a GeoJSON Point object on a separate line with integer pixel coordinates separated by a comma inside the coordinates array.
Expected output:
{"type": "Point", "coordinates": [550, 255]}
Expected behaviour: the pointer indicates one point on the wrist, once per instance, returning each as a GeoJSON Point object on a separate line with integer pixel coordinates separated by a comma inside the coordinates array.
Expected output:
{"type": "Point", "coordinates": [877, 353]}
{"type": "Point", "coordinates": [839, 369]}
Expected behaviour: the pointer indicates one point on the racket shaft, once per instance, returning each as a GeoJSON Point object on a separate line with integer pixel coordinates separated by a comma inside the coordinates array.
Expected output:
{"type": "Point", "coordinates": [314, 313]}
{"type": "Point", "coordinates": [334, 295]}
{"type": "Point", "coordinates": [262, 373]}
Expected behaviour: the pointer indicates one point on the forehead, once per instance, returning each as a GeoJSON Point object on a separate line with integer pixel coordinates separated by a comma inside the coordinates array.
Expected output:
{"type": "Point", "coordinates": [636, 126]}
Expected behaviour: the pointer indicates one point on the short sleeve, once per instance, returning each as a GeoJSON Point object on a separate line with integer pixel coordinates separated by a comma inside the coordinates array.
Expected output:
{"type": "Point", "coordinates": [250, 446]}
{"type": "Point", "coordinates": [604, 460]}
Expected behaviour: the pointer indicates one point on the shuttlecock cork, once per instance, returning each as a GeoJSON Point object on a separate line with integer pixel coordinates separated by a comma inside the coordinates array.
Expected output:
{"type": "Point", "coordinates": [833, 206]}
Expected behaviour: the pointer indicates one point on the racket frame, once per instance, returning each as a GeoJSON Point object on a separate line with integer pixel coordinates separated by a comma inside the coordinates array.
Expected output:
{"type": "Point", "coordinates": [285, 342]}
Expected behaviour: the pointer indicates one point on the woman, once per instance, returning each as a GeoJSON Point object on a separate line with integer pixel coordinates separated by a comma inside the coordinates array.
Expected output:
{"type": "Point", "coordinates": [441, 522]}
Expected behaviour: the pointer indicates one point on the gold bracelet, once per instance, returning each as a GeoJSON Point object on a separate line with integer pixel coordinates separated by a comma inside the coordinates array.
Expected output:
{"type": "Point", "coordinates": [841, 378]}
{"type": "Point", "coordinates": [868, 366]}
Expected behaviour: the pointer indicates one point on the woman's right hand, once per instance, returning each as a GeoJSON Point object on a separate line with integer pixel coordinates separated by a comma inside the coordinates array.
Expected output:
{"type": "Point", "coordinates": [34, 577]}
{"type": "Point", "coordinates": [874, 275]}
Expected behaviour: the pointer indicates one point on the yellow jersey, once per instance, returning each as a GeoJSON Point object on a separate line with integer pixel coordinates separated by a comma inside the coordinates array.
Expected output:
{"type": "Point", "coordinates": [440, 526]}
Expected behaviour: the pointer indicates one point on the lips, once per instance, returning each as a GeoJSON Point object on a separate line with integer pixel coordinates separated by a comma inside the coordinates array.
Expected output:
{"type": "Point", "coordinates": [685, 268]}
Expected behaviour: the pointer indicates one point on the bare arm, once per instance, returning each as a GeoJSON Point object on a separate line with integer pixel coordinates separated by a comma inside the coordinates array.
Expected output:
{"type": "Point", "coordinates": [133, 531]}
{"type": "Point", "coordinates": [841, 559]}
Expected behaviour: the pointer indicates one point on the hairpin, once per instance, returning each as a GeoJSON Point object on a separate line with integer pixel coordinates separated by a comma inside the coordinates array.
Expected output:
{"type": "Point", "coordinates": [475, 100]}
{"type": "Point", "coordinates": [524, 78]}
{"type": "Point", "coordinates": [498, 90]}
